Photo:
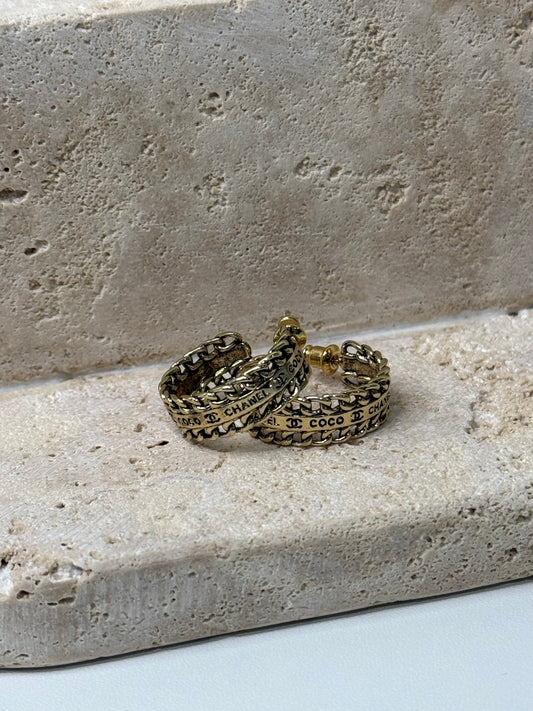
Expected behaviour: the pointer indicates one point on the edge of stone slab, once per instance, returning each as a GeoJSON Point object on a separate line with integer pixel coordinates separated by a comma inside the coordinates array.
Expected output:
{"type": "Point", "coordinates": [176, 578]}
{"type": "Point", "coordinates": [29, 13]}
{"type": "Point", "coordinates": [271, 627]}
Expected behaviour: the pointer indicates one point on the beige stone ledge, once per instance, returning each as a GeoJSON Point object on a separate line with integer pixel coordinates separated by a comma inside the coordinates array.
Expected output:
{"type": "Point", "coordinates": [119, 535]}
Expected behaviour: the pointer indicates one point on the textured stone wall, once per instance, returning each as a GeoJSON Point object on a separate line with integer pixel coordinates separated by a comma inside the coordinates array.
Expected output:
{"type": "Point", "coordinates": [172, 173]}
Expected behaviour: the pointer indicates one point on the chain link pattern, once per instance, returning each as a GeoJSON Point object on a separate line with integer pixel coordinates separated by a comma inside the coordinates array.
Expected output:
{"type": "Point", "coordinates": [218, 389]}
{"type": "Point", "coordinates": [331, 419]}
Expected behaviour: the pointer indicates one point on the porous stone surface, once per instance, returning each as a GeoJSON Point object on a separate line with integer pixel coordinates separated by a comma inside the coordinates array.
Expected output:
{"type": "Point", "coordinates": [117, 534]}
{"type": "Point", "coordinates": [169, 170]}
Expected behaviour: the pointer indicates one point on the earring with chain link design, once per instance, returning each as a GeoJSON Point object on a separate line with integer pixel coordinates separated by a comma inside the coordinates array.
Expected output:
{"type": "Point", "coordinates": [219, 389]}
{"type": "Point", "coordinates": [326, 419]}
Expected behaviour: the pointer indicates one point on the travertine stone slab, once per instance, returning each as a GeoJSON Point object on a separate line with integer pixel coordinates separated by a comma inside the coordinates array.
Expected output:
{"type": "Point", "coordinates": [117, 534]}
{"type": "Point", "coordinates": [168, 169]}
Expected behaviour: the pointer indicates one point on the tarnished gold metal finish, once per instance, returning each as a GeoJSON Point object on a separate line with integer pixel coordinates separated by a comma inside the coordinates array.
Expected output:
{"type": "Point", "coordinates": [327, 419]}
{"type": "Point", "coordinates": [219, 389]}
{"type": "Point", "coordinates": [326, 358]}
{"type": "Point", "coordinates": [293, 325]}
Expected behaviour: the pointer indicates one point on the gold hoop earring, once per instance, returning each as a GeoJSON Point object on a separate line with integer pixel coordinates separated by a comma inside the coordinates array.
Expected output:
{"type": "Point", "coordinates": [219, 389]}
{"type": "Point", "coordinates": [327, 419]}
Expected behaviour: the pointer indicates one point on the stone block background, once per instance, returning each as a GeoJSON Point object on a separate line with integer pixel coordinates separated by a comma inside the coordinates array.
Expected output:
{"type": "Point", "coordinates": [170, 172]}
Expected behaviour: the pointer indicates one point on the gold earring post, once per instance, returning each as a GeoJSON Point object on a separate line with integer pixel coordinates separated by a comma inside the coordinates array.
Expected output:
{"type": "Point", "coordinates": [326, 358]}
{"type": "Point", "coordinates": [292, 324]}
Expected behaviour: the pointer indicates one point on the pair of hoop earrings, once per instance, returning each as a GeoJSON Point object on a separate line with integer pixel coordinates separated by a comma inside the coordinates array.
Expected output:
{"type": "Point", "coordinates": [219, 389]}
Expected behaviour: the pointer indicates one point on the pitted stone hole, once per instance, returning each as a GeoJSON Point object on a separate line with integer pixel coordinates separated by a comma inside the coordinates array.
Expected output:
{"type": "Point", "coordinates": [157, 444]}
{"type": "Point", "coordinates": [302, 168]}
{"type": "Point", "coordinates": [213, 105]}
{"type": "Point", "coordinates": [66, 600]}
{"type": "Point", "coordinates": [467, 512]}
{"type": "Point", "coordinates": [60, 505]}
{"type": "Point", "coordinates": [41, 245]}
{"type": "Point", "coordinates": [66, 571]}
{"type": "Point", "coordinates": [511, 552]}
{"type": "Point", "coordinates": [139, 427]}
{"type": "Point", "coordinates": [12, 196]}
{"type": "Point", "coordinates": [23, 594]}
